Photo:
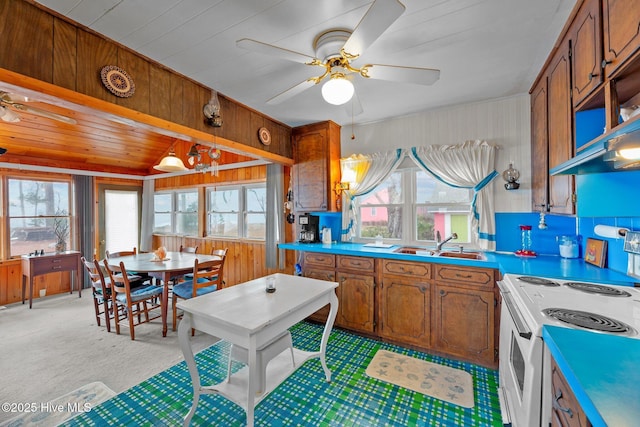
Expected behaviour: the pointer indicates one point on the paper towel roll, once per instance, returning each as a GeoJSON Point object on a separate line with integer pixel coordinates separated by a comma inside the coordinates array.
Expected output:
{"type": "Point", "coordinates": [610, 231]}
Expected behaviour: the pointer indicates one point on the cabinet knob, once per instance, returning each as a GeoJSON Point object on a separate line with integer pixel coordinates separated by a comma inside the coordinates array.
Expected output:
{"type": "Point", "coordinates": [592, 75]}
{"type": "Point", "coordinates": [605, 63]}
{"type": "Point", "coordinates": [423, 289]}
{"type": "Point", "coordinates": [442, 292]}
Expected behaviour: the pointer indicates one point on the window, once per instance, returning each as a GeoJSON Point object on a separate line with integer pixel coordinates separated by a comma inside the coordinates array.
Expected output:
{"type": "Point", "coordinates": [176, 212]}
{"type": "Point", "coordinates": [237, 212]}
{"type": "Point", "coordinates": [38, 210]}
{"type": "Point", "coordinates": [411, 206]}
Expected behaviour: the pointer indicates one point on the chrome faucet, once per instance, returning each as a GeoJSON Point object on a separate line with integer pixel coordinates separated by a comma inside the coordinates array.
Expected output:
{"type": "Point", "coordinates": [441, 244]}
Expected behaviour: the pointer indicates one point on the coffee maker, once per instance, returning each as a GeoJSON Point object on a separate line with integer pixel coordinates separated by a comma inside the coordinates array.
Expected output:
{"type": "Point", "coordinates": [309, 228]}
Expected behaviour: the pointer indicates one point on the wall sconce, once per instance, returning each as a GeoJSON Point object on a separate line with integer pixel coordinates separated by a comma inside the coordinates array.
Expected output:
{"type": "Point", "coordinates": [340, 187]}
{"type": "Point", "coordinates": [171, 163]}
{"type": "Point", "coordinates": [511, 175]}
{"type": "Point", "coordinates": [211, 111]}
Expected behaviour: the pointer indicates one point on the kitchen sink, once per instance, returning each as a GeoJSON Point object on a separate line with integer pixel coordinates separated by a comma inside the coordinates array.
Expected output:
{"type": "Point", "coordinates": [412, 250]}
{"type": "Point", "coordinates": [465, 255]}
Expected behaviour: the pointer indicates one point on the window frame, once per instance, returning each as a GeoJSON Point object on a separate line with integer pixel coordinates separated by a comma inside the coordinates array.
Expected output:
{"type": "Point", "coordinates": [174, 211]}
{"type": "Point", "coordinates": [409, 227]}
{"type": "Point", "coordinates": [242, 212]}
{"type": "Point", "coordinates": [70, 215]}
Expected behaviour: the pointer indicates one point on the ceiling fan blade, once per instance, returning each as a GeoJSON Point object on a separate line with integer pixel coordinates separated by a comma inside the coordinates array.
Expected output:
{"type": "Point", "coordinates": [274, 51]}
{"type": "Point", "coordinates": [378, 18]}
{"type": "Point", "coordinates": [394, 73]}
{"type": "Point", "coordinates": [43, 113]}
{"type": "Point", "coordinates": [12, 97]}
{"type": "Point", "coordinates": [291, 92]}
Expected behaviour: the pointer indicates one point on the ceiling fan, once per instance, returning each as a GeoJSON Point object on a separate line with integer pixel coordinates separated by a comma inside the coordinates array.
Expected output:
{"type": "Point", "coordinates": [10, 102]}
{"type": "Point", "coordinates": [335, 51]}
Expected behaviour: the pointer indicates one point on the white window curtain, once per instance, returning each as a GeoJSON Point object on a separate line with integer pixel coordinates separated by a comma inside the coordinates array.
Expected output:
{"type": "Point", "coordinates": [468, 165]}
{"type": "Point", "coordinates": [364, 173]}
{"type": "Point", "coordinates": [146, 226]}
{"type": "Point", "coordinates": [275, 216]}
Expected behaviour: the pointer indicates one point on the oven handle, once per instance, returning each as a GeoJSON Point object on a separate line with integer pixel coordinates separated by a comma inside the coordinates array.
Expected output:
{"type": "Point", "coordinates": [514, 312]}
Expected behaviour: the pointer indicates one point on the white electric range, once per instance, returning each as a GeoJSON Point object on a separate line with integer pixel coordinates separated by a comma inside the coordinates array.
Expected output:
{"type": "Point", "coordinates": [528, 303]}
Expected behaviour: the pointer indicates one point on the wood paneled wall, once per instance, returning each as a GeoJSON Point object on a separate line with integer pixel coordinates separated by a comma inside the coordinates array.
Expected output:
{"type": "Point", "coordinates": [39, 43]}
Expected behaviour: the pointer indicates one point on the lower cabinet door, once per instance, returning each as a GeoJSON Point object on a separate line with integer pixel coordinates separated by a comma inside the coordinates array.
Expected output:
{"type": "Point", "coordinates": [356, 302]}
{"type": "Point", "coordinates": [405, 313]}
{"type": "Point", "coordinates": [464, 323]}
{"type": "Point", "coordinates": [329, 275]}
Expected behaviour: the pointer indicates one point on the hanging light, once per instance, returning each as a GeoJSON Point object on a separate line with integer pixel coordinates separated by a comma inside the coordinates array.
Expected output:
{"type": "Point", "coordinates": [171, 163]}
{"type": "Point", "coordinates": [337, 90]}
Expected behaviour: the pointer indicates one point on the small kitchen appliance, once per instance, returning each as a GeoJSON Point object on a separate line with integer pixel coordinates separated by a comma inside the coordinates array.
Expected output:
{"type": "Point", "coordinates": [529, 303]}
{"type": "Point", "coordinates": [309, 228]}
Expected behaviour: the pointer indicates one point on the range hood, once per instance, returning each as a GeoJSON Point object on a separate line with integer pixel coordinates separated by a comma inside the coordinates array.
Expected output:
{"type": "Point", "coordinates": [600, 154]}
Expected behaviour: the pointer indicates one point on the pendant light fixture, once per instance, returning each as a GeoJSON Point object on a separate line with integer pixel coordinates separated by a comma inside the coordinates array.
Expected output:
{"type": "Point", "coordinates": [171, 163]}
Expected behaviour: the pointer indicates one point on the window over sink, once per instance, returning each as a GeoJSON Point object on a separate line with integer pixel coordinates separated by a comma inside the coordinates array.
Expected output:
{"type": "Point", "coordinates": [410, 206]}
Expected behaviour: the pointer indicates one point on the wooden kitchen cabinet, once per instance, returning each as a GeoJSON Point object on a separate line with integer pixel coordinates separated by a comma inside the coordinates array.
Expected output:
{"type": "Point", "coordinates": [552, 136]}
{"type": "Point", "coordinates": [356, 291]}
{"type": "Point", "coordinates": [404, 308]}
{"type": "Point", "coordinates": [586, 51]}
{"type": "Point", "coordinates": [316, 169]}
{"type": "Point", "coordinates": [565, 410]}
{"type": "Point", "coordinates": [321, 267]}
{"type": "Point", "coordinates": [621, 35]}
{"type": "Point", "coordinates": [464, 320]}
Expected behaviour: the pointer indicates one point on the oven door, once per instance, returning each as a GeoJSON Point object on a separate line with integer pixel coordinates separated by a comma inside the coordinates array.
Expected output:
{"type": "Point", "coordinates": [520, 367]}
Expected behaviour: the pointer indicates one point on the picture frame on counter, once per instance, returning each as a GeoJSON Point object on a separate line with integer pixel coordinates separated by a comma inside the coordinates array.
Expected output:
{"type": "Point", "coordinates": [596, 252]}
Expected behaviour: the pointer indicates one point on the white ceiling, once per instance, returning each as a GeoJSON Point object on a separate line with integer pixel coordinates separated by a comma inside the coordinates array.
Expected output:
{"type": "Point", "coordinates": [484, 48]}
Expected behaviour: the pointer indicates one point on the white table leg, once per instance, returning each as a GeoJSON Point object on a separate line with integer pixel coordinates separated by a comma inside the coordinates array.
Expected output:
{"type": "Point", "coordinates": [184, 330]}
{"type": "Point", "coordinates": [333, 311]}
{"type": "Point", "coordinates": [253, 374]}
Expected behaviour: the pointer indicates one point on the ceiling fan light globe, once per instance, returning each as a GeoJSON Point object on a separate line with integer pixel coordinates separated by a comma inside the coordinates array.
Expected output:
{"type": "Point", "coordinates": [337, 91]}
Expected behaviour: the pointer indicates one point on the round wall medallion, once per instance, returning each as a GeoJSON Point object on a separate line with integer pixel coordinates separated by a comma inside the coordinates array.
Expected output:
{"type": "Point", "coordinates": [117, 81]}
{"type": "Point", "coordinates": [264, 135]}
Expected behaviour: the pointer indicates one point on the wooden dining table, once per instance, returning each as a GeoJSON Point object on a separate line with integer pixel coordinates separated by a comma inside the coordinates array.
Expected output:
{"type": "Point", "coordinates": [174, 264]}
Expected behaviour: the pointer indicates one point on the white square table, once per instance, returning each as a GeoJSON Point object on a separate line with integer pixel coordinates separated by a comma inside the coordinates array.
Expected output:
{"type": "Point", "coordinates": [247, 316]}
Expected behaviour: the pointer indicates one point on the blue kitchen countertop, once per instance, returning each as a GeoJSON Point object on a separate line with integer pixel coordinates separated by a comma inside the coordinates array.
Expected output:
{"type": "Point", "coordinates": [602, 371]}
{"type": "Point", "coordinates": [543, 265]}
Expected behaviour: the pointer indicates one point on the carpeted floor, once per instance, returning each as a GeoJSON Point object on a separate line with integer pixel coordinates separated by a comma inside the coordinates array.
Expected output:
{"type": "Point", "coordinates": [56, 347]}
{"type": "Point", "coordinates": [305, 398]}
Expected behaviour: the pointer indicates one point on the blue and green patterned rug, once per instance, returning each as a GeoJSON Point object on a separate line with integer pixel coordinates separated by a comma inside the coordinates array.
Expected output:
{"type": "Point", "coordinates": [304, 399]}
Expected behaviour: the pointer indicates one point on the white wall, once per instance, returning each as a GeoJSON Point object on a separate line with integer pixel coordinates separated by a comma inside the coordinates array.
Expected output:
{"type": "Point", "coordinates": [505, 122]}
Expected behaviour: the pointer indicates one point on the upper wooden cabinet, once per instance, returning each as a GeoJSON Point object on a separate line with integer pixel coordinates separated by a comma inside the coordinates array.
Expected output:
{"type": "Point", "coordinates": [560, 128]}
{"type": "Point", "coordinates": [316, 169]}
{"type": "Point", "coordinates": [552, 135]}
{"type": "Point", "coordinates": [586, 51]}
{"type": "Point", "coordinates": [621, 27]}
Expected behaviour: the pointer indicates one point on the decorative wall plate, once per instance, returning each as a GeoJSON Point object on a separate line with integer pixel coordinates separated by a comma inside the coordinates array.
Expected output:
{"type": "Point", "coordinates": [117, 81]}
{"type": "Point", "coordinates": [264, 135]}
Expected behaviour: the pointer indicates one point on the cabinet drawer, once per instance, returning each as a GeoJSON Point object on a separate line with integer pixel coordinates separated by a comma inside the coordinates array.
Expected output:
{"type": "Point", "coordinates": [355, 263]}
{"type": "Point", "coordinates": [316, 259]}
{"type": "Point", "coordinates": [400, 268]}
{"type": "Point", "coordinates": [53, 264]}
{"type": "Point", "coordinates": [483, 277]}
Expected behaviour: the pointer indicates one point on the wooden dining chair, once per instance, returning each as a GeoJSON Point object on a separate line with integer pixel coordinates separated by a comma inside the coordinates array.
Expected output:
{"type": "Point", "coordinates": [189, 249]}
{"type": "Point", "coordinates": [135, 278]}
{"type": "Point", "coordinates": [131, 303]}
{"type": "Point", "coordinates": [101, 289]}
{"type": "Point", "coordinates": [207, 278]}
